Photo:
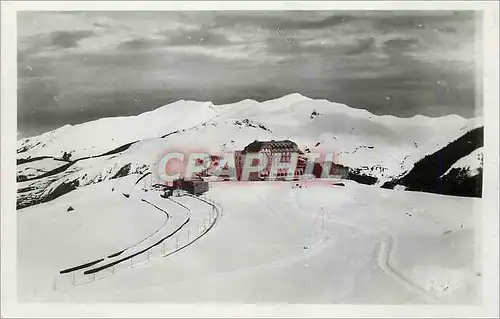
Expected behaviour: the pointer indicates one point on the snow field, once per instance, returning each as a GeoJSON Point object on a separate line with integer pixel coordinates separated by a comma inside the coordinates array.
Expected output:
{"type": "Point", "coordinates": [315, 244]}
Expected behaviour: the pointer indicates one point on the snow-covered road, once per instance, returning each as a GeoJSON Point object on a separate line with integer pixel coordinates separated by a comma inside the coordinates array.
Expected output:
{"type": "Point", "coordinates": [81, 262]}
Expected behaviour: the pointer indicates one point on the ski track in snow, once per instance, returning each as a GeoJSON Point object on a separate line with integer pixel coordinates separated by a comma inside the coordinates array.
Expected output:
{"type": "Point", "coordinates": [386, 250]}
{"type": "Point", "coordinates": [386, 244]}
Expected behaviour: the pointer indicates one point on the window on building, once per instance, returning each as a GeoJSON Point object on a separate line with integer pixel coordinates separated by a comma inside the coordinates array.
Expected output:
{"type": "Point", "coordinates": [285, 157]}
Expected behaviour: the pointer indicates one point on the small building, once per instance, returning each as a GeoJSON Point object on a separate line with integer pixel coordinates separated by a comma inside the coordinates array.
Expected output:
{"type": "Point", "coordinates": [194, 187]}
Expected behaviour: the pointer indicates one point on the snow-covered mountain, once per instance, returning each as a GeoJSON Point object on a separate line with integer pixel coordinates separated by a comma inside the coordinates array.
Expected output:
{"type": "Point", "coordinates": [385, 147]}
{"type": "Point", "coordinates": [455, 169]}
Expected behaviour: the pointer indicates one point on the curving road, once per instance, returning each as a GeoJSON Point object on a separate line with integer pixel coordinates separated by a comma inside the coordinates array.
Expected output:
{"type": "Point", "coordinates": [180, 220]}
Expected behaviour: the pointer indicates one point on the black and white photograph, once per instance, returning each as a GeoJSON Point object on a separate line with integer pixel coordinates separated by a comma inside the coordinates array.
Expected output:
{"type": "Point", "coordinates": [265, 156]}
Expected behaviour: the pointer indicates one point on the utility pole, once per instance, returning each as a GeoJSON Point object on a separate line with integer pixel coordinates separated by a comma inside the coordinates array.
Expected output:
{"type": "Point", "coordinates": [322, 216]}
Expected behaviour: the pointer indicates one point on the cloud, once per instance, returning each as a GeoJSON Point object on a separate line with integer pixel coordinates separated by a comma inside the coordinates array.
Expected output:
{"type": "Point", "coordinates": [68, 39]}
{"type": "Point", "coordinates": [443, 21]}
{"type": "Point", "coordinates": [304, 24]}
{"type": "Point", "coordinates": [51, 41]}
{"type": "Point", "coordinates": [360, 47]}
{"type": "Point", "coordinates": [101, 25]}
{"type": "Point", "coordinates": [400, 44]}
{"type": "Point", "coordinates": [294, 47]}
{"type": "Point", "coordinates": [180, 37]}
{"type": "Point", "coordinates": [290, 47]}
{"type": "Point", "coordinates": [138, 44]}
{"type": "Point", "coordinates": [273, 20]}
{"type": "Point", "coordinates": [201, 36]}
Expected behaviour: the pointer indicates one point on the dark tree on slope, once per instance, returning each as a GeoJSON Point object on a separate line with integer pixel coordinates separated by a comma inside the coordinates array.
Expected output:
{"type": "Point", "coordinates": [459, 182]}
{"type": "Point", "coordinates": [426, 174]}
{"type": "Point", "coordinates": [61, 189]}
{"type": "Point", "coordinates": [344, 172]}
{"type": "Point", "coordinates": [122, 172]}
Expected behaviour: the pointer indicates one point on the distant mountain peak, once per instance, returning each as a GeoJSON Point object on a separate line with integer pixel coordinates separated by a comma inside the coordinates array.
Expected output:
{"type": "Point", "coordinates": [292, 97]}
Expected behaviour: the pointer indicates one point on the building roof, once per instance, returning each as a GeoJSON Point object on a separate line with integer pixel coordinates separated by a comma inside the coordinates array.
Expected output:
{"type": "Point", "coordinates": [284, 145]}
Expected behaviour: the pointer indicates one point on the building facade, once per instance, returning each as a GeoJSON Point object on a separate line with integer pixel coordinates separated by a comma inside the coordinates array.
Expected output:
{"type": "Point", "coordinates": [276, 158]}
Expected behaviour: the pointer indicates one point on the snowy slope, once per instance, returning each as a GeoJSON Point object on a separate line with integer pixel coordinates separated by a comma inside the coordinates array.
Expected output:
{"type": "Point", "coordinates": [100, 136]}
{"type": "Point", "coordinates": [102, 222]}
{"type": "Point", "coordinates": [364, 245]}
{"type": "Point", "coordinates": [471, 163]}
{"type": "Point", "coordinates": [379, 146]}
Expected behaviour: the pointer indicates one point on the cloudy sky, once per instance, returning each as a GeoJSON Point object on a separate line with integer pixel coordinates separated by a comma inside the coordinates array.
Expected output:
{"type": "Point", "coordinates": [77, 66]}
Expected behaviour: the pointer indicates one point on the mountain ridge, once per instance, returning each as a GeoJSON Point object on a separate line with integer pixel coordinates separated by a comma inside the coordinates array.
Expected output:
{"type": "Point", "coordinates": [378, 147]}
{"type": "Point", "coordinates": [296, 95]}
